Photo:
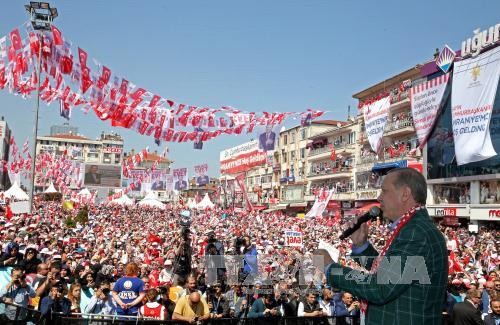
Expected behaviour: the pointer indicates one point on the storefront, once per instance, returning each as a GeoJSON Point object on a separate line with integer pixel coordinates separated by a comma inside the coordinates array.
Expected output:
{"type": "Point", "coordinates": [484, 213]}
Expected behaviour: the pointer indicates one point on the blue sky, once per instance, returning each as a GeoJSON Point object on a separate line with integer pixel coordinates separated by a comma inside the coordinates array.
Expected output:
{"type": "Point", "coordinates": [253, 55]}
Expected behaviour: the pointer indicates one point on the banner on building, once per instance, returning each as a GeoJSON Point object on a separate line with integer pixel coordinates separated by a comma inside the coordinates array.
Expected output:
{"type": "Point", "coordinates": [180, 179]}
{"type": "Point", "coordinates": [201, 174]}
{"type": "Point", "coordinates": [375, 115]}
{"type": "Point", "coordinates": [158, 180]}
{"type": "Point", "coordinates": [320, 203]}
{"type": "Point", "coordinates": [475, 83]}
{"type": "Point", "coordinates": [242, 158]}
{"type": "Point", "coordinates": [102, 175]}
{"type": "Point", "coordinates": [293, 238]}
{"type": "Point", "coordinates": [426, 101]}
{"type": "Point", "coordinates": [240, 179]}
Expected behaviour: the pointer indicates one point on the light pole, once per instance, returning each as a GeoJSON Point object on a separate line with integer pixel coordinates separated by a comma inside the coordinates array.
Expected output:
{"type": "Point", "coordinates": [41, 16]}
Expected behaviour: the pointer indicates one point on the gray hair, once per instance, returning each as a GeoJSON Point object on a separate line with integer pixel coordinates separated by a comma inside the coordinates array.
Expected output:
{"type": "Point", "coordinates": [414, 180]}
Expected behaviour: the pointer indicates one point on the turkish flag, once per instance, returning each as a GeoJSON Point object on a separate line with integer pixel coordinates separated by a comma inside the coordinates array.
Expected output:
{"type": "Point", "coordinates": [8, 213]}
{"type": "Point", "coordinates": [66, 64]}
{"type": "Point", "coordinates": [333, 155]}
{"type": "Point", "coordinates": [83, 58]}
{"type": "Point", "coordinates": [453, 264]}
{"type": "Point", "coordinates": [57, 35]}
{"type": "Point", "coordinates": [154, 238]}
{"type": "Point", "coordinates": [15, 39]}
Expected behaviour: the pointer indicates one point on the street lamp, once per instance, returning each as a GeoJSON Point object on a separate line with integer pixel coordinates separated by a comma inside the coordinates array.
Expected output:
{"type": "Point", "coordinates": [41, 16]}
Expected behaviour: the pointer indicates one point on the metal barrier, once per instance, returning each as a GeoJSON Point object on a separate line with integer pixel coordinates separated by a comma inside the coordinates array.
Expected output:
{"type": "Point", "coordinates": [115, 319]}
{"type": "Point", "coordinates": [11, 313]}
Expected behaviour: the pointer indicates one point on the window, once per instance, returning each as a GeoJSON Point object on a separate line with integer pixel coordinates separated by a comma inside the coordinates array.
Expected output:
{"type": "Point", "coordinates": [303, 133]}
{"type": "Point", "coordinates": [292, 155]}
{"type": "Point", "coordinates": [352, 137]}
{"type": "Point", "coordinates": [452, 193]}
{"type": "Point", "coordinates": [292, 137]}
{"type": "Point", "coordinates": [489, 192]}
{"type": "Point", "coordinates": [285, 142]}
{"type": "Point", "coordinates": [303, 153]}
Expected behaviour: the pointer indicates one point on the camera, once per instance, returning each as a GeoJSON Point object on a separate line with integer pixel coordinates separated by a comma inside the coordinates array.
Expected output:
{"type": "Point", "coordinates": [162, 290]}
{"type": "Point", "coordinates": [106, 291]}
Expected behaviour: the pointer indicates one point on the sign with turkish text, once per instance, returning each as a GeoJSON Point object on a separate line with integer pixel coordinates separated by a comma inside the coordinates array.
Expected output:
{"type": "Point", "coordinates": [293, 238]}
{"type": "Point", "coordinates": [375, 115]}
{"type": "Point", "coordinates": [475, 83]}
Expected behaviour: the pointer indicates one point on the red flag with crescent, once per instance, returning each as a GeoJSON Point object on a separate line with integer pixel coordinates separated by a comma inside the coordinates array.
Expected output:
{"type": "Point", "coordinates": [15, 39]}
{"type": "Point", "coordinates": [56, 33]}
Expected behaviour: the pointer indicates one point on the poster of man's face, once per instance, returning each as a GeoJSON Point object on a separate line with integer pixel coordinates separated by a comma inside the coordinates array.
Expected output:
{"type": "Point", "coordinates": [267, 140]}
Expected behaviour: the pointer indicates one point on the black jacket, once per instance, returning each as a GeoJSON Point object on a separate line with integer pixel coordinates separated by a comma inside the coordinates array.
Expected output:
{"type": "Point", "coordinates": [464, 313]}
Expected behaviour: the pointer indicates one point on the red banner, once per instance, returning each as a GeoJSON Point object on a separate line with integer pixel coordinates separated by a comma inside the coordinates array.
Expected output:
{"type": "Point", "coordinates": [243, 162]}
{"type": "Point", "coordinates": [241, 182]}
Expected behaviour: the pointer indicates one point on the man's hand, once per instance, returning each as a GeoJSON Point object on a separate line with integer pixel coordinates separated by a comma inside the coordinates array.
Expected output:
{"type": "Point", "coordinates": [274, 312]}
{"type": "Point", "coordinates": [360, 236]}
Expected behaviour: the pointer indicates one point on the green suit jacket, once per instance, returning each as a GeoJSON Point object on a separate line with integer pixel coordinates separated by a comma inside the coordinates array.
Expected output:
{"type": "Point", "coordinates": [410, 284]}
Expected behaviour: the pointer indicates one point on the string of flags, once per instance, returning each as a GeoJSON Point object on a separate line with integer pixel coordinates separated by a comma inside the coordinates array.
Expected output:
{"type": "Point", "coordinates": [67, 76]}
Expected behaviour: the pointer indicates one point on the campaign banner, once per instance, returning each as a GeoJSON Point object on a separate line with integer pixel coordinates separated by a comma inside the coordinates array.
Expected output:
{"type": "Point", "coordinates": [201, 174]}
{"type": "Point", "coordinates": [158, 180]}
{"type": "Point", "coordinates": [320, 203]}
{"type": "Point", "coordinates": [426, 100]}
{"type": "Point", "coordinates": [169, 183]}
{"type": "Point", "coordinates": [475, 83]}
{"type": "Point", "coordinates": [243, 162]}
{"type": "Point", "coordinates": [180, 179]}
{"type": "Point", "coordinates": [293, 238]}
{"type": "Point", "coordinates": [102, 175]}
{"type": "Point", "coordinates": [240, 179]}
{"type": "Point", "coordinates": [375, 115]}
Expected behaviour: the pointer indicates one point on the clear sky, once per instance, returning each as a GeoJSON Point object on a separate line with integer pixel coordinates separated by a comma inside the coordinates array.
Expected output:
{"type": "Point", "coordinates": [253, 55]}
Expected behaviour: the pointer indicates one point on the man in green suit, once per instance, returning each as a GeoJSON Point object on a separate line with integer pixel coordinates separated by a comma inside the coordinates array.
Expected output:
{"type": "Point", "coordinates": [406, 282]}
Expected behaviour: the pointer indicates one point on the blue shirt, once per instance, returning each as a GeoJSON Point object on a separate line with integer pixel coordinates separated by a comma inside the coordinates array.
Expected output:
{"type": "Point", "coordinates": [128, 289]}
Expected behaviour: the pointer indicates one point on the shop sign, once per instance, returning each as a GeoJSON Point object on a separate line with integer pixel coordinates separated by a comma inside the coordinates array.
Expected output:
{"type": "Point", "coordinates": [488, 213]}
{"type": "Point", "coordinates": [367, 195]}
{"type": "Point", "coordinates": [480, 40]}
{"type": "Point", "coordinates": [112, 150]}
{"type": "Point", "coordinates": [446, 212]}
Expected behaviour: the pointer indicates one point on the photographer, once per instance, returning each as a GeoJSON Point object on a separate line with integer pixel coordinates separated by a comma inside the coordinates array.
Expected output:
{"type": "Point", "coordinates": [214, 248]}
{"type": "Point", "coordinates": [102, 301]}
{"type": "Point", "coordinates": [237, 302]}
{"type": "Point", "coordinates": [346, 308]}
{"type": "Point", "coordinates": [217, 303]}
{"type": "Point", "coordinates": [182, 265]}
{"type": "Point", "coordinates": [53, 278]}
{"type": "Point", "coordinates": [192, 309]}
{"type": "Point", "coordinates": [250, 267]}
{"type": "Point", "coordinates": [17, 292]}
{"type": "Point", "coordinates": [166, 302]}
{"type": "Point", "coordinates": [265, 307]}
{"type": "Point", "coordinates": [55, 302]}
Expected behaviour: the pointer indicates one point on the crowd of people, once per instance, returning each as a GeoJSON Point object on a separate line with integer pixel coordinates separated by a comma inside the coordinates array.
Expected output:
{"type": "Point", "coordinates": [136, 262]}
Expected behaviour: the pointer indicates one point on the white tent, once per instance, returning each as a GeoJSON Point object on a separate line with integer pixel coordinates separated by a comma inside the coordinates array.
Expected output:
{"type": "Point", "coordinates": [205, 203]}
{"type": "Point", "coordinates": [50, 189]}
{"type": "Point", "coordinates": [151, 201]}
{"type": "Point", "coordinates": [122, 200]}
{"type": "Point", "coordinates": [84, 192]}
{"type": "Point", "coordinates": [17, 193]}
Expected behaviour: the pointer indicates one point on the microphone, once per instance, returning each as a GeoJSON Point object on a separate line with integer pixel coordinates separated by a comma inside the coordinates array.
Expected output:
{"type": "Point", "coordinates": [372, 214]}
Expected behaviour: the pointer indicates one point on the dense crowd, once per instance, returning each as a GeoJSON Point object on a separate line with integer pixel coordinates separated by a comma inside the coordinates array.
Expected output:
{"type": "Point", "coordinates": [131, 261]}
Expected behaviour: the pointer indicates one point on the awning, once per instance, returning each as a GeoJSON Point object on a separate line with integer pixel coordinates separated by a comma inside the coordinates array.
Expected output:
{"type": "Point", "coordinates": [390, 165]}
{"type": "Point", "coordinates": [298, 205]}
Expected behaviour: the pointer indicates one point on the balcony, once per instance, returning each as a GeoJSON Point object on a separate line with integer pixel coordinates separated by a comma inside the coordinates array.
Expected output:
{"type": "Point", "coordinates": [326, 173]}
{"type": "Point", "coordinates": [401, 127]}
{"type": "Point", "coordinates": [344, 191]}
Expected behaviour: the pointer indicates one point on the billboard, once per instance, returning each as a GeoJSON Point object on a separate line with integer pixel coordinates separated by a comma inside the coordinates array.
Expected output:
{"type": "Point", "coordinates": [242, 158]}
{"type": "Point", "coordinates": [102, 175]}
{"type": "Point", "coordinates": [201, 174]}
{"type": "Point", "coordinates": [180, 179]}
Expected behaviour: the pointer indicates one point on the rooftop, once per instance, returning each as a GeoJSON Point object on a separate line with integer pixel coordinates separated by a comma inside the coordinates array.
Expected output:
{"type": "Point", "coordinates": [68, 136]}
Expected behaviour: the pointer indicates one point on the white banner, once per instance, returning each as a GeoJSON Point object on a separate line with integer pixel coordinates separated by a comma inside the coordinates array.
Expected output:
{"type": "Point", "coordinates": [426, 99]}
{"type": "Point", "coordinates": [320, 203]}
{"type": "Point", "coordinates": [475, 84]}
{"type": "Point", "coordinates": [293, 238]}
{"type": "Point", "coordinates": [375, 115]}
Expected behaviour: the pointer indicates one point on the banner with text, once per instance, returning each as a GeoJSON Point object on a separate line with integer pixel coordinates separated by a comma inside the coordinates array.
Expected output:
{"type": "Point", "coordinates": [201, 174]}
{"type": "Point", "coordinates": [375, 115]}
{"type": "Point", "coordinates": [169, 180]}
{"type": "Point", "coordinates": [293, 238]}
{"type": "Point", "coordinates": [180, 179]}
{"type": "Point", "coordinates": [242, 158]}
{"type": "Point", "coordinates": [426, 101]}
{"type": "Point", "coordinates": [475, 83]}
